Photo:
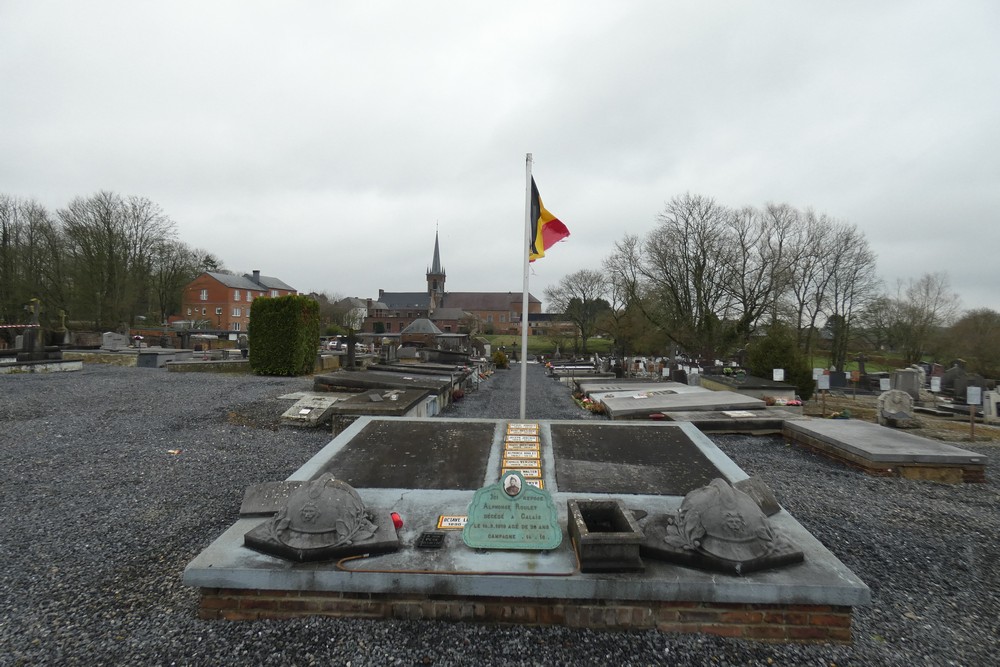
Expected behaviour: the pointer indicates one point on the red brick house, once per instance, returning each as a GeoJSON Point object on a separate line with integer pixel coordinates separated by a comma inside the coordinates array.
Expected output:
{"type": "Point", "coordinates": [223, 300]}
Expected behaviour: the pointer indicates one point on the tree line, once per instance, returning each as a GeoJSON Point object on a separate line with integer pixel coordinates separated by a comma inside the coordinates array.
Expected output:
{"type": "Point", "coordinates": [104, 261]}
{"type": "Point", "coordinates": [708, 279]}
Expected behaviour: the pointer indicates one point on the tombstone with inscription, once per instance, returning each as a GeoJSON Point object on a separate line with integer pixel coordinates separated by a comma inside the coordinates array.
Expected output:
{"type": "Point", "coordinates": [718, 527]}
{"type": "Point", "coordinates": [111, 340]}
{"type": "Point", "coordinates": [963, 383]}
{"type": "Point", "coordinates": [512, 514]}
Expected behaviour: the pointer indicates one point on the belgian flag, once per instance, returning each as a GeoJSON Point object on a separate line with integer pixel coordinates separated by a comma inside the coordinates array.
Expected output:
{"type": "Point", "coordinates": [546, 229]}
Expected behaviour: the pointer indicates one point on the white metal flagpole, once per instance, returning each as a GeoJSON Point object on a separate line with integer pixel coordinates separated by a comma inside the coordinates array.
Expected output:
{"type": "Point", "coordinates": [525, 252]}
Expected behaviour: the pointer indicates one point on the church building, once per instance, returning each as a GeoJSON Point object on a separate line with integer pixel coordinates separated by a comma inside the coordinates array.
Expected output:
{"type": "Point", "coordinates": [451, 312]}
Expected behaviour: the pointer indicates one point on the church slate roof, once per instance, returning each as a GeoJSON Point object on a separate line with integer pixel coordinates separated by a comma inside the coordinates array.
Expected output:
{"type": "Point", "coordinates": [405, 299]}
{"type": "Point", "coordinates": [486, 300]}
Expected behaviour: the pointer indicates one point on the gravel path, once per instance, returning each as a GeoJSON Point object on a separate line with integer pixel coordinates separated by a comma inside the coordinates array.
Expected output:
{"type": "Point", "coordinates": [115, 478]}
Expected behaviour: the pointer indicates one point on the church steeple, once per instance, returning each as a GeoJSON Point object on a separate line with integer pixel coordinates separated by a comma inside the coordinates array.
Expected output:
{"type": "Point", "coordinates": [436, 277]}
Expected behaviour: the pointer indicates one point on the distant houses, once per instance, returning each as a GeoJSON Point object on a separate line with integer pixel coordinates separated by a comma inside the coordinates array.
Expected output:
{"type": "Point", "coordinates": [222, 301]}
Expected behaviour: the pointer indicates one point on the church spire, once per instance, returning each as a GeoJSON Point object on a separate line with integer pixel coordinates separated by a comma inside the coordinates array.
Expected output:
{"type": "Point", "coordinates": [436, 263]}
{"type": "Point", "coordinates": [436, 277]}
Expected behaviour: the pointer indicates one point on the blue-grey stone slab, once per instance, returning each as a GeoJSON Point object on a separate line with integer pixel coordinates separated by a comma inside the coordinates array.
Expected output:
{"type": "Point", "coordinates": [456, 569]}
{"type": "Point", "coordinates": [881, 444]}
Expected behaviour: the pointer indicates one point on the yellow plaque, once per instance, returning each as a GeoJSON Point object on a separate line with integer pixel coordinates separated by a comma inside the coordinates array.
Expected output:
{"type": "Point", "coordinates": [452, 522]}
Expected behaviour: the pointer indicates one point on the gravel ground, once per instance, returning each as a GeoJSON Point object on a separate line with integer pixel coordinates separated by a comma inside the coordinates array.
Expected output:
{"type": "Point", "coordinates": [115, 478]}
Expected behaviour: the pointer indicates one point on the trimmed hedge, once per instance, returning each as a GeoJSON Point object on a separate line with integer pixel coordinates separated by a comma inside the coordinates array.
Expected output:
{"type": "Point", "coordinates": [284, 334]}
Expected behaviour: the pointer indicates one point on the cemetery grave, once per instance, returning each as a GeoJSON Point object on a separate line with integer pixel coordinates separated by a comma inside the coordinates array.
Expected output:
{"type": "Point", "coordinates": [491, 481]}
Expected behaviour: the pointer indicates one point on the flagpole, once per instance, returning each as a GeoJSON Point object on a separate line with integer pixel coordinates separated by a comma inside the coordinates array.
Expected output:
{"type": "Point", "coordinates": [525, 251]}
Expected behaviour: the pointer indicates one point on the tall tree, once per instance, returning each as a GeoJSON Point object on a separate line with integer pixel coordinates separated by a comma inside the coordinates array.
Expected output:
{"type": "Point", "coordinates": [853, 283]}
{"type": "Point", "coordinates": [682, 271]}
{"type": "Point", "coordinates": [579, 298]}
{"type": "Point", "coordinates": [759, 244]}
{"type": "Point", "coordinates": [28, 265]}
{"type": "Point", "coordinates": [922, 307]}
{"type": "Point", "coordinates": [975, 337]}
{"type": "Point", "coordinates": [111, 243]}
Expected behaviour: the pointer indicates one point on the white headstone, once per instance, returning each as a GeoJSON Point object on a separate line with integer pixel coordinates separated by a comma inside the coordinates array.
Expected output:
{"type": "Point", "coordinates": [823, 382]}
{"type": "Point", "coordinates": [778, 374]}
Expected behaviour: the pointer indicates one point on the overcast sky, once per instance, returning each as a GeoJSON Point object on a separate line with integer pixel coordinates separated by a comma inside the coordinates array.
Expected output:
{"type": "Point", "coordinates": [323, 142]}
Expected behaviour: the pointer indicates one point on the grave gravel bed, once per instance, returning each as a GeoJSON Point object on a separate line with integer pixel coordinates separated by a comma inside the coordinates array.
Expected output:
{"type": "Point", "coordinates": [115, 478]}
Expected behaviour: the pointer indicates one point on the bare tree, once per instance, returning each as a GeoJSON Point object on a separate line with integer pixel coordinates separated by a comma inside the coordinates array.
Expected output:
{"type": "Point", "coordinates": [111, 243]}
{"type": "Point", "coordinates": [922, 307]}
{"type": "Point", "coordinates": [579, 298]}
{"type": "Point", "coordinates": [686, 271]}
{"type": "Point", "coordinates": [975, 337]}
{"type": "Point", "coordinates": [759, 248]}
{"type": "Point", "coordinates": [28, 265]}
{"type": "Point", "coordinates": [810, 276]}
{"type": "Point", "coordinates": [853, 283]}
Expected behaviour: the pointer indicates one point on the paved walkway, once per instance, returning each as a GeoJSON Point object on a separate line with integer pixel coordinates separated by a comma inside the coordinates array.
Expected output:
{"type": "Point", "coordinates": [499, 398]}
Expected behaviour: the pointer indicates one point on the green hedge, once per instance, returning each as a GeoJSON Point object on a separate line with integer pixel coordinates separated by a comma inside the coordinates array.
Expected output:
{"type": "Point", "coordinates": [284, 334]}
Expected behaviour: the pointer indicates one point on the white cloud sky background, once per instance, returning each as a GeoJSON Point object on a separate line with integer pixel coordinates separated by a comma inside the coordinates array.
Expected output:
{"type": "Point", "coordinates": [322, 142]}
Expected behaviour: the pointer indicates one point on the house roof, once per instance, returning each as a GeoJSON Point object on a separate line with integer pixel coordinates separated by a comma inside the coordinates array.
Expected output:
{"type": "Point", "coordinates": [269, 282]}
{"type": "Point", "coordinates": [351, 302]}
{"type": "Point", "coordinates": [246, 282]}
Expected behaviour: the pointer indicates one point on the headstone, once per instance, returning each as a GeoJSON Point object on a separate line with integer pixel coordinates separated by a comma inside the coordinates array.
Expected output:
{"type": "Point", "coordinates": [512, 514]}
{"type": "Point", "coordinates": [895, 408]}
{"type": "Point", "coordinates": [111, 340]}
{"type": "Point", "coordinates": [991, 407]}
{"type": "Point", "coordinates": [908, 380]}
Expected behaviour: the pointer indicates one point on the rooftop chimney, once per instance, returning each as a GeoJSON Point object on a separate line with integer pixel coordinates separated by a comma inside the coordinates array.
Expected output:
{"type": "Point", "coordinates": [256, 276]}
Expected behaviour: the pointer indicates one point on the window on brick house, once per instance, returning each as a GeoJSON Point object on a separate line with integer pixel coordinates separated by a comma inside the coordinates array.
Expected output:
{"type": "Point", "coordinates": [274, 292]}
{"type": "Point", "coordinates": [204, 295]}
{"type": "Point", "coordinates": [236, 326]}
{"type": "Point", "coordinates": [237, 312]}
{"type": "Point", "coordinates": [218, 311]}
{"type": "Point", "coordinates": [236, 295]}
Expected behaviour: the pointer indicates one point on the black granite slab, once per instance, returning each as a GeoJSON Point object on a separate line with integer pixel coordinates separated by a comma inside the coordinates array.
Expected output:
{"type": "Point", "coordinates": [655, 460]}
{"type": "Point", "coordinates": [415, 454]}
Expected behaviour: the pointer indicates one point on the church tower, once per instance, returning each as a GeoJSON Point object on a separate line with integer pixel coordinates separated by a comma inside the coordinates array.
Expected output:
{"type": "Point", "coordinates": [435, 278]}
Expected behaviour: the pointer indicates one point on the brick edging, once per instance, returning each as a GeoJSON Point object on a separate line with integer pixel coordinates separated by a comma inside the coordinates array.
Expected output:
{"type": "Point", "coordinates": [762, 622]}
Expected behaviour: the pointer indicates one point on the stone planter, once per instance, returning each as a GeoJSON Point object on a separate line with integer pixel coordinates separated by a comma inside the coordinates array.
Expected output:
{"type": "Point", "coordinates": [606, 536]}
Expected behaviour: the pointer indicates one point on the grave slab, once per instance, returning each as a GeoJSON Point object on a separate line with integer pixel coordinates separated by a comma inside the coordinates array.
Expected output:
{"type": "Point", "coordinates": [881, 450]}
{"type": "Point", "coordinates": [310, 411]}
{"type": "Point", "coordinates": [771, 420]}
{"type": "Point", "coordinates": [642, 407]}
{"type": "Point", "coordinates": [428, 469]}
